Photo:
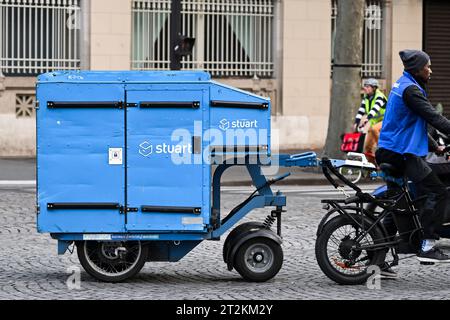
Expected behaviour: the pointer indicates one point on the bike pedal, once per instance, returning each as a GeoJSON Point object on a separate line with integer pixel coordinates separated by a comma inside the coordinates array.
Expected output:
{"type": "Point", "coordinates": [426, 263]}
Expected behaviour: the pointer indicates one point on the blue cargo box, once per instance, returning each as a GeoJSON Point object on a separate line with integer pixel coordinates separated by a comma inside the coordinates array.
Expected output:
{"type": "Point", "coordinates": [130, 151]}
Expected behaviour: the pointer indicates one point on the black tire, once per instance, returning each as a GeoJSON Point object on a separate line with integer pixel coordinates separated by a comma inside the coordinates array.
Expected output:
{"type": "Point", "coordinates": [337, 267]}
{"type": "Point", "coordinates": [247, 259]}
{"type": "Point", "coordinates": [101, 261]}
{"type": "Point", "coordinates": [242, 228]}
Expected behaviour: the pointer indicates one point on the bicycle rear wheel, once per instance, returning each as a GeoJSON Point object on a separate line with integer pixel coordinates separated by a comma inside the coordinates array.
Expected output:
{"type": "Point", "coordinates": [336, 253]}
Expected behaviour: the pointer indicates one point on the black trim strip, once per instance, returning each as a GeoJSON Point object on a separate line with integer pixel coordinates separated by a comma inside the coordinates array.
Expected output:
{"type": "Point", "coordinates": [233, 148]}
{"type": "Point", "coordinates": [343, 65]}
{"type": "Point", "coordinates": [84, 104]}
{"type": "Point", "coordinates": [240, 104]}
{"type": "Point", "coordinates": [170, 104]}
{"type": "Point", "coordinates": [83, 205]}
{"type": "Point", "coordinates": [163, 209]}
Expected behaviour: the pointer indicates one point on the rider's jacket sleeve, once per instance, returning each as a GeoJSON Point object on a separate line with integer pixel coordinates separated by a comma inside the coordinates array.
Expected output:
{"type": "Point", "coordinates": [420, 105]}
{"type": "Point", "coordinates": [361, 112]}
{"type": "Point", "coordinates": [432, 144]}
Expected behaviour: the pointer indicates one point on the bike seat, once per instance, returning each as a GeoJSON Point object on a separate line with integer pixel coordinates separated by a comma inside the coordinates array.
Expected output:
{"type": "Point", "coordinates": [390, 170]}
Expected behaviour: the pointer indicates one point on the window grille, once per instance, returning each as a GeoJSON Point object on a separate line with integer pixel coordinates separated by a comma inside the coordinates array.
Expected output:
{"type": "Point", "coordinates": [38, 36]}
{"type": "Point", "coordinates": [233, 38]}
{"type": "Point", "coordinates": [372, 37]}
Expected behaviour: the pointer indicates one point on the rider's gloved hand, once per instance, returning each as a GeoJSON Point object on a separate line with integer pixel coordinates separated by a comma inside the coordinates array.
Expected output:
{"type": "Point", "coordinates": [440, 150]}
{"type": "Point", "coordinates": [363, 123]}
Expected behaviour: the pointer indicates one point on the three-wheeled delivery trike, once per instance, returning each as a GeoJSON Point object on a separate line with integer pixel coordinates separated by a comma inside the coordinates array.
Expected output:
{"type": "Point", "coordinates": [125, 169]}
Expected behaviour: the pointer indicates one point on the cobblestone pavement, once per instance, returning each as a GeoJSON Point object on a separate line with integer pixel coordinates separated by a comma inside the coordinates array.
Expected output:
{"type": "Point", "coordinates": [31, 269]}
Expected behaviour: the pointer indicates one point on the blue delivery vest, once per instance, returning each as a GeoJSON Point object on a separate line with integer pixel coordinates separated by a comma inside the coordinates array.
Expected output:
{"type": "Point", "coordinates": [403, 131]}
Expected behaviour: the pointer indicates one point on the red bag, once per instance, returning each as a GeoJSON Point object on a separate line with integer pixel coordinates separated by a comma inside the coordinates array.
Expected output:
{"type": "Point", "coordinates": [353, 142]}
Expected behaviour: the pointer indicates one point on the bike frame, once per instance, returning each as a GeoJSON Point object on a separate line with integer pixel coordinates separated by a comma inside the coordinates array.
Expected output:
{"type": "Point", "coordinates": [389, 206]}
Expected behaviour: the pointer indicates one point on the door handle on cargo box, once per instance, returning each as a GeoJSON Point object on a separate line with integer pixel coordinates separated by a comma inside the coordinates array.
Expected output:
{"type": "Point", "coordinates": [84, 104]}
{"type": "Point", "coordinates": [166, 209]}
{"type": "Point", "coordinates": [240, 104]}
{"type": "Point", "coordinates": [83, 205]}
{"type": "Point", "coordinates": [170, 104]}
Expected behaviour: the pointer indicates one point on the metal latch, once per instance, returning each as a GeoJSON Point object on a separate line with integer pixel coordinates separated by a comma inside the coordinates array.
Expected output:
{"type": "Point", "coordinates": [36, 104]}
{"type": "Point", "coordinates": [130, 209]}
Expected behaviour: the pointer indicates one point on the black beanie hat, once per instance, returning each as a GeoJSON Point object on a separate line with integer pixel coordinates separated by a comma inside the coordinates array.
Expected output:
{"type": "Point", "coordinates": [414, 60]}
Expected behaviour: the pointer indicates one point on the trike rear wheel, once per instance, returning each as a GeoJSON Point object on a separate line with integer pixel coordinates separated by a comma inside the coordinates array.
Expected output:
{"type": "Point", "coordinates": [235, 233]}
{"type": "Point", "coordinates": [258, 259]}
{"type": "Point", "coordinates": [112, 261]}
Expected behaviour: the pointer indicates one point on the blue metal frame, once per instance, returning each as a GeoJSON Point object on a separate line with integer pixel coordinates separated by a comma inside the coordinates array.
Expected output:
{"type": "Point", "coordinates": [306, 159]}
{"type": "Point", "coordinates": [264, 199]}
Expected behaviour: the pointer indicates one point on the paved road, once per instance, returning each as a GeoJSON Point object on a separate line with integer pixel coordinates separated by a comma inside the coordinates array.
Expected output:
{"type": "Point", "coordinates": [31, 269]}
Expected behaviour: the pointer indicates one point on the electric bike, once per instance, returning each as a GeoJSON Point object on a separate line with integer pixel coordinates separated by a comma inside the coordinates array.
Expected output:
{"type": "Point", "coordinates": [357, 232]}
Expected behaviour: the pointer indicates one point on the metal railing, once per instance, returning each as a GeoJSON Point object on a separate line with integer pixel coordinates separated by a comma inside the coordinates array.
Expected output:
{"type": "Point", "coordinates": [233, 38]}
{"type": "Point", "coordinates": [38, 36]}
{"type": "Point", "coordinates": [373, 58]}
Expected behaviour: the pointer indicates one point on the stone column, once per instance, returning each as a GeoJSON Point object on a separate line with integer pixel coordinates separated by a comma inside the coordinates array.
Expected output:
{"type": "Point", "coordinates": [2, 83]}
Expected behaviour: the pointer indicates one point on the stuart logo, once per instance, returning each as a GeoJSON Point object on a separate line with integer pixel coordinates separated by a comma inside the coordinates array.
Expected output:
{"type": "Point", "coordinates": [146, 148]}
{"type": "Point", "coordinates": [225, 124]}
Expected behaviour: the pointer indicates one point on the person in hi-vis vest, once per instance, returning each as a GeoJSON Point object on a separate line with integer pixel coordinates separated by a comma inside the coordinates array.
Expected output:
{"type": "Point", "coordinates": [373, 106]}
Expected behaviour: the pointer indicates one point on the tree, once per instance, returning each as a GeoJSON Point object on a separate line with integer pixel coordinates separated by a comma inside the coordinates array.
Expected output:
{"type": "Point", "coordinates": [346, 86]}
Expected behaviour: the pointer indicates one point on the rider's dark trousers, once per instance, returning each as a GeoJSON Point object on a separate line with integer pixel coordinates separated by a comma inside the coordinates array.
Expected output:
{"type": "Point", "coordinates": [433, 211]}
{"type": "Point", "coordinates": [427, 183]}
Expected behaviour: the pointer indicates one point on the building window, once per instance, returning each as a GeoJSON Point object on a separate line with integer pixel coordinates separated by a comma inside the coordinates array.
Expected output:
{"type": "Point", "coordinates": [373, 33]}
{"type": "Point", "coordinates": [25, 105]}
{"type": "Point", "coordinates": [233, 38]}
{"type": "Point", "coordinates": [38, 36]}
